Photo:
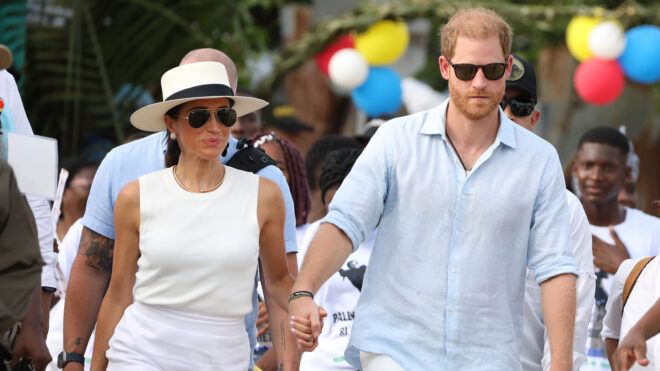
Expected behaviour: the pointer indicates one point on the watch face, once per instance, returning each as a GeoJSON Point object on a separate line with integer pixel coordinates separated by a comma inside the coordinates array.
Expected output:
{"type": "Point", "coordinates": [60, 359]}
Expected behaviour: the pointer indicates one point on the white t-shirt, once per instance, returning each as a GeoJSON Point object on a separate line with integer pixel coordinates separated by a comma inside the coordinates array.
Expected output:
{"type": "Point", "coordinates": [535, 348]}
{"type": "Point", "coordinates": [640, 233]}
{"type": "Point", "coordinates": [15, 120]}
{"type": "Point", "coordinates": [644, 294]}
{"type": "Point", "coordinates": [339, 296]}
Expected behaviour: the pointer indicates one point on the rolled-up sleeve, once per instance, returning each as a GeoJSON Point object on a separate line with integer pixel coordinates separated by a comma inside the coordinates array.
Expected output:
{"type": "Point", "coordinates": [550, 247]}
{"type": "Point", "coordinates": [358, 203]}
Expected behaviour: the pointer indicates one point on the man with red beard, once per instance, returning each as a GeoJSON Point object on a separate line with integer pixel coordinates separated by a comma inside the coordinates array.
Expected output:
{"type": "Point", "coordinates": [465, 201]}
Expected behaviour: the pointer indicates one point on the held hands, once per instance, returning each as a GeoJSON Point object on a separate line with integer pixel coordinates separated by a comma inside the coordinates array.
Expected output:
{"type": "Point", "coordinates": [306, 322]}
{"type": "Point", "coordinates": [633, 347]}
{"type": "Point", "coordinates": [609, 257]}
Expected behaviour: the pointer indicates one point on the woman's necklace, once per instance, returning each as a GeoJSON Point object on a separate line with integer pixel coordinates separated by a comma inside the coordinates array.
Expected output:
{"type": "Point", "coordinates": [178, 181]}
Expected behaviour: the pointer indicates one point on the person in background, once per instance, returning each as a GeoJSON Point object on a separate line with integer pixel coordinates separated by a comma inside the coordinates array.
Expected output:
{"type": "Point", "coordinates": [314, 161]}
{"type": "Point", "coordinates": [619, 232]}
{"type": "Point", "coordinates": [30, 343]}
{"type": "Point", "coordinates": [339, 295]}
{"type": "Point", "coordinates": [628, 193]}
{"type": "Point", "coordinates": [520, 99]}
{"type": "Point", "coordinates": [76, 192]}
{"type": "Point", "coordinates": [249, 125]}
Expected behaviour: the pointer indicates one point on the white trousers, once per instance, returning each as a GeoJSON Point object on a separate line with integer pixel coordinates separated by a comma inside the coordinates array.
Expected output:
{"type": "Point", "coordinates": [154, 338]}
{"type": "Point", "coordinates": [378, 362]}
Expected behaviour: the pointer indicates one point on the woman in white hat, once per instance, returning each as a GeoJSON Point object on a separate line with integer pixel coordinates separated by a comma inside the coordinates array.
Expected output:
{"type": "Point", "coordinates": [188, 238]}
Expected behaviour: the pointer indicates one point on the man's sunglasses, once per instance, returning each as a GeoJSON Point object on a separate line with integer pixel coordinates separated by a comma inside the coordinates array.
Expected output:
{"type": "Point", "coordinates": [200, 116]}
{"type": "Point", "coordinates": [467, 71]}
{"type": "Point", "coordinates": [518, 108]}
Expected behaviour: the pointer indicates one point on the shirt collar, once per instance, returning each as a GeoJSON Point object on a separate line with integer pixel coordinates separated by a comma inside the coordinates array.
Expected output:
{"type": "Point", "coordinates": [436, 121]}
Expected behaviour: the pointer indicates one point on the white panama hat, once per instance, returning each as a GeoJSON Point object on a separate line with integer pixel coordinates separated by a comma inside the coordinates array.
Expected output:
{"type": "Point", "coordinates": [188, 82]}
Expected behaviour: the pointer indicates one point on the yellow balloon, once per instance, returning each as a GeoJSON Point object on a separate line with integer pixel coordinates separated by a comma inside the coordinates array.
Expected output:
{"type": "Point", "coordinates": [577, 36]}
{"type": "Point", "coordinates": [383, 42]}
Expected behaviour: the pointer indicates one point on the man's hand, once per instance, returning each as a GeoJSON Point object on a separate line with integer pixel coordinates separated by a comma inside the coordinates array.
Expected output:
{"type": "Point", "coordinates": [609, 257]}
{"type": "Point", "coordinates": [31, 345]}
{"type": "Point", "coordinates": [306, 322]}
{"type": "Point", "coordinates": [73, 366]}
{"type": "Point", "coordinates": [633, 347]}
{"type": "Point", "coordinates": [262, 319]}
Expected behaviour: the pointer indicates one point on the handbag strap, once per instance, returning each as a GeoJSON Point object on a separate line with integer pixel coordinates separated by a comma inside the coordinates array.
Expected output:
{"type": "Point", "coordinates": [632, 278]}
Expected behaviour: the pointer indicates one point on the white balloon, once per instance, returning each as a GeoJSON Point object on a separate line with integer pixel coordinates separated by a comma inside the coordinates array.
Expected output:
{"type": "Point", "coordinates": [607, 40]}
{"type": "Point", "coordinates": [348, 69]}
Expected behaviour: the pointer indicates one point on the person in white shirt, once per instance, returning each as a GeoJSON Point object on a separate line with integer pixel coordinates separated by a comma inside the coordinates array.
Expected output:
{"type": "Point", "coordinates": [619, 232]}
{"type": "Point", "coordinates": [520, 98]}
{"type": "Point", "coordinates": [619, 319]}
{"type": "Point", "coordinates": [340, 293]}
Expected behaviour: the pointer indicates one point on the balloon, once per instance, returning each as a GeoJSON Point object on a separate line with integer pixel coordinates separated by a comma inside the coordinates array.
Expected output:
{"type": "Point", "coordinates": [323, 58]}
{"type": "Point", "coordinates": [599, 81]}
{"type": "Point", "coordinates": [607, 40]}
{"type": "Point", "coordinates": [383, 42]}
{"type": "Point", "coordinates": [380, 93]}
{"type": "Point", "coordinates": [577, 36]}
{"type": "Point", "coordinates": [348, 69]}
{"type": "Point", "coordinates": [642, 53]}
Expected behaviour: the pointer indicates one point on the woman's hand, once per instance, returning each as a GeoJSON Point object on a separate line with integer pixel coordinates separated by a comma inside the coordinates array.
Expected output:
{"type": "Point", "coordinates": [306, 322]}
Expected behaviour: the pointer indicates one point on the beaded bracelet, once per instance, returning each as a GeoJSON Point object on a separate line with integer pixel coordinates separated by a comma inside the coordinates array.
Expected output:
{"type": "Point", "coordinates": [299, 294]}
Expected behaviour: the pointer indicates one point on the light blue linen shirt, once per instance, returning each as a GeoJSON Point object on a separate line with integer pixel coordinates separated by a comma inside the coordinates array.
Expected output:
{"type": "Point", "coordinates": [445, 284]}
{"type": "Point", "coordinates": [129, 161]}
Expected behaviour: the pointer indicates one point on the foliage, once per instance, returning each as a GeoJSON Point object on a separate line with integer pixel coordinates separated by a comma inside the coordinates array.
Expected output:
{"type": "Point", "coordinates": [76, 68]}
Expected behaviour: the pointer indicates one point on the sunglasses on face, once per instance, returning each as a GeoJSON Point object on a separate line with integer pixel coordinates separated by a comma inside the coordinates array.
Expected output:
{"type": "Point", "coordinates": [200, 116]}
{"type": "Point", "coordinates": [518, 108]}
{"type": "Point", "coordinates": [467, 71]}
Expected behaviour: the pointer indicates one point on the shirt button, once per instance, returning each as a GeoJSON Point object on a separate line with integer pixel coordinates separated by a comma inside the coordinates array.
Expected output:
{"type": "Point", "coordinates": [451, 309]}
{"type": "Point", "coordinates": [453, 269]}
{"type": "Point", "coordinates": [451, 345]}
{"type": "Point", "coordinates": [462, 197]}
{"type": "Point", "coordinates": [458, 232]}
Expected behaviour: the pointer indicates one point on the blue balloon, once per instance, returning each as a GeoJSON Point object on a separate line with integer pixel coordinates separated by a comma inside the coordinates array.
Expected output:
{"type": "Point", "coordinates": [380, 93]}
{"type": "Point", "coordinates": [642, 53]}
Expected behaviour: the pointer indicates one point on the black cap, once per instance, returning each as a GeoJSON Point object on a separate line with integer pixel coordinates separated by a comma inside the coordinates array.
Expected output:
{"type": "Point", "coordinates": [284, 117]}
{"type": "Point", "coordinates": [523, 76]}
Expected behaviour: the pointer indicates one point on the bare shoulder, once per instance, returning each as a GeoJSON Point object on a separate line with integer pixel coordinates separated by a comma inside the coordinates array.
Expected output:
{"type": "Point", "coordinates": [129, 196]}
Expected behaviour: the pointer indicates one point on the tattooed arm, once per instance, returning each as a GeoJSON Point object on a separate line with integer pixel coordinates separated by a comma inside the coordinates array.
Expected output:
{"type": "Point", "coordinates": [90, 275]}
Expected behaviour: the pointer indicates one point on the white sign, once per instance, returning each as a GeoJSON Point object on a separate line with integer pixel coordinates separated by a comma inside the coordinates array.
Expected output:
{"type": "Point", "coordinates": [34, 161]}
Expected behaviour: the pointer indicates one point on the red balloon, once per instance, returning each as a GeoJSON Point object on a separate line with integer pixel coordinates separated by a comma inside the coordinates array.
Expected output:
{"type": "Point", "coordinates": [599, 81]}
{"type": "Point", "coordinates": [323, 58]}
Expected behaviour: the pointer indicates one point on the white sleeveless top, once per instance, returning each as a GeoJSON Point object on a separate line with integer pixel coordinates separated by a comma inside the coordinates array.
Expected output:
{"type": "Point", "coordinates": [198, 251]}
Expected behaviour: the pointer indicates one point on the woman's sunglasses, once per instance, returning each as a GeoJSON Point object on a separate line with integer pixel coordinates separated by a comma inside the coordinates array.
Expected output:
{"type": "Point", "coordinates": [467, 71]}
{"type": "Point", "coordinates": [200, 116]}
{"type": "Point", "coordinates": [518, 108]}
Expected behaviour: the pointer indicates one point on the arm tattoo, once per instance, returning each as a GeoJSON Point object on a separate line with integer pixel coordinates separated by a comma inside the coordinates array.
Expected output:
{"type": "Point", "coordinates": [97, 248]}
{"type": "Point", "coordinates": [283, 336]}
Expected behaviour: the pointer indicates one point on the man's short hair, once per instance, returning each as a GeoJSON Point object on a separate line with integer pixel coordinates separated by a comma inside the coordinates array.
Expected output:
{"type": "Point", "coordinates": [475, 23]}
{"type": "Point", "coordinates": [606, 135]}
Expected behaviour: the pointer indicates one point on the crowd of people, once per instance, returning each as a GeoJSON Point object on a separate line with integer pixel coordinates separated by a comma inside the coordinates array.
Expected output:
{"type": "Point", "coordinates": [446, 239]}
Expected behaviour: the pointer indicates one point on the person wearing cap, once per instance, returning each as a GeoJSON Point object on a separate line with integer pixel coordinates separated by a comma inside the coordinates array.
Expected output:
{"type": "Point", "coordinates": [465, 201]}
{"type": "Point", "coordinates": [92, 266]}
{"type": "Point", "coordinates": [518, 103]}
{"type": "Point", "coordinates": [187, 261]}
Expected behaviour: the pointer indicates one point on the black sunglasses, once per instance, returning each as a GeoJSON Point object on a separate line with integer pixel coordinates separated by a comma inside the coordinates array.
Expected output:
{"type": "Point", "coordinates": [200, 116]}
{"type": "Point", "coordinates": [518, 108]}
{"type": "Point", "coordinates": [467, 71]}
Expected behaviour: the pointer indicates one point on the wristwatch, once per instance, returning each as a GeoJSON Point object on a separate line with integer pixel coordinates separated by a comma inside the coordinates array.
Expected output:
{"type": "Point", "coordinates": [66, 357]}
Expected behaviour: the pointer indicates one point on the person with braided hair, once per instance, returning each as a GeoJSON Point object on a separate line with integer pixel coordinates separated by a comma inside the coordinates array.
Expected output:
{"type": "Point", "coordinates": [339, 294]}
{"type": "Point", "coordinates": [288, 159]}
